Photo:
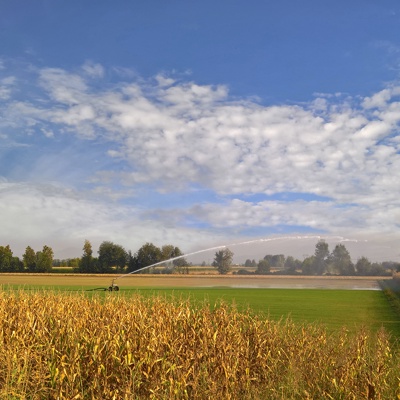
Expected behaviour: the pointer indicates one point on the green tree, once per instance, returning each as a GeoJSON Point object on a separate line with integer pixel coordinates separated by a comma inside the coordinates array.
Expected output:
{"type": "Point", "coordinates": [340, 261]}
{"type": "Point", "coordinates": [147, 255]}
{"type": "Point", "coordinates": [377, 269]}
{"type": "Point", "coordinates": [321, 258]}
{"type": "Point", "coordinates": [363, 266]}
{"type": "Point", "coordinates": [263, 267]}
{"type": "Point", "coordinates": [112, 255]}
{"type": "Point", "coordinates": [44, 259]}
{"type": "Point", "coordinates": [307, 265]}
{"type": "Point", "coordinates": [250, 263]}
{"type": "Point", "coordinates": [291, 265]}
{"type": "Point", "coordinates": [17, 265]}
{"type": "Point", "coordinates": [169, 251]}
{"type": "Point", "coordinates": [6, 259]}
{"type": "Point", "coordinates": [73, 262]}
{"type": "Point", "coordinates": [223, 261]}
{"type": "Point", "coordinates": [29, 259]}
{"type": "Point", "coordinates": [181, 266]}
{"type": "Point", "coordinates": [276, 261]}
{"type": "Point", "coordinates": [247, 263]}
{"type": "Point", "coordinates": [87, 263]}
{"type": "Point", "coordinates": [391, 266]}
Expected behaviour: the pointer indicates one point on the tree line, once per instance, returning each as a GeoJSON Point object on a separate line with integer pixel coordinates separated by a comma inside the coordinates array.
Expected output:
{"type": "Point", "coordinates": [39, 261]}
{"type": "Point", "coordinates": [322, 262]}
{"type": "Point", "coordinates": [113, 258]}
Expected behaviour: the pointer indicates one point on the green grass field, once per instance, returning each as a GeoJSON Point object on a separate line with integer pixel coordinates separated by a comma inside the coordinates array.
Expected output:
{"type": "Point", "coordinates": [334, 309]}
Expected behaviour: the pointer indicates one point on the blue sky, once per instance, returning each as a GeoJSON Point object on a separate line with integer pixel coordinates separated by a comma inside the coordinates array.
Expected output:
{"type": "Point", "coordinates": [200, 124]}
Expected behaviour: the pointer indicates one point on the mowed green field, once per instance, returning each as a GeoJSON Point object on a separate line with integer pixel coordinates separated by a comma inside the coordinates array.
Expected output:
{"type": "Point", "coordinates": [353, 309]}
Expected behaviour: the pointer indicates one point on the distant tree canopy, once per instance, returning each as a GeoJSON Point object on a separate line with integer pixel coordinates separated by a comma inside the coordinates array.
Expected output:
{"type": "Point", "coordinates": [44, 259]}
{"type": "Point", "coordinates": [292, 265]}
{"type": "Point", "coordinates": [340, 261]}
{"type": "Point", "coordinates": [41, 261]}
{"type": "Point", "coordinates": [275, 261]}
{"type": "Point", "coordinates": [250, 263]}
{"type": "Point", "coordinates": [223, 261]}
{"type": "Point", "coordinates": [113, 258]}
{"type": "Point", "coordinates": [9, 263]}
{"type": "Point", "coordinates": [337, 262]}
{"type": "Point", "coordinates": [67, 262]}
{"type": "Point", "coordinates": [263, 267]}
{"type": "Point", "coordinates": [149, 254]}
{"type": "Point", "coordinates": [87, 263]}
{"type": "Point", "coordinates": [322, 262]}
{"type": "Point", "coordinates": [170, 252]}
{"type": "Point", "coordinates": [307, 265]}
{"type": "Point", "coordinates": [321, 257]}
{"type": "Point", "coordinates": [29, 258]}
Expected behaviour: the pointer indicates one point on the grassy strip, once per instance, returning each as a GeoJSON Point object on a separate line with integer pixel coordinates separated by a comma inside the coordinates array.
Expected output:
{"type": "Point", "coordinates": [63, 346]}
{"type": "Point", "coordinates": [391, 289]}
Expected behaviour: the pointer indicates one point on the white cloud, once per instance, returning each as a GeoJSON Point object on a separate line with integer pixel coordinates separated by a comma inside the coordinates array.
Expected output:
{"type": "Point", "coordinates": [191, 133]}
{"type": "Point", "coordinates": [6, 86]}
{"type": "Point", "coordinates": [63, 87]}
{"type": "Point", "coordinates": [48, 133]}
{"type": "Point", "coordinates": [171, 135]}
{"type": "Point", "coordinates": [9, 80]}
{"type": "Point", "coordinates": [4, 93]}
{"type": "Point", "coordinates": [35, 215]}
{"type": "Point", "coordinates": [163, 80]}
{"type": "Point", "coordinates": [380, 99]}
{"type": "Point", "coordinates": [318, 215]}
{"type": "Point", "coordinates": [93, 70]}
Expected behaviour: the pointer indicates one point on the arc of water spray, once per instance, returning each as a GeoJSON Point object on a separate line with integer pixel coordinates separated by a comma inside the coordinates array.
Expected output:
{"type": "Point", "coordinates": [338, 238]}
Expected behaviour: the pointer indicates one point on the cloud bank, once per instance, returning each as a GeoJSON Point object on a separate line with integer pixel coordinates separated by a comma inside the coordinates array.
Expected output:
{"type": "Point", "coordinates": [184, 161]}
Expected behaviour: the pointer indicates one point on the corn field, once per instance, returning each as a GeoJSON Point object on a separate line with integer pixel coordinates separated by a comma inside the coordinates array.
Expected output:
{"type": "Point", "coordinates": [62, 346]}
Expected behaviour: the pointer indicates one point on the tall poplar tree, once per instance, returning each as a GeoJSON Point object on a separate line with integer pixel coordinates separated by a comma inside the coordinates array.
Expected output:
{"type": "Point", "coordinates": [29, 259]}
{"type": "Point", "coordinates": [321, 257]}
{"type": "Point", "coordinates": [44, 259]}
{"type": "Point", "coordinates": [341, 260]}
{"type": "Point", "coordinates": [87, 263]}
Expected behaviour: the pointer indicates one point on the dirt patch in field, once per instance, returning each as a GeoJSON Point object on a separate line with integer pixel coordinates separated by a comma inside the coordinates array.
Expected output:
{"type": "Point", "coordinates": [253, 282]}
{"type": "Point", "coordinates": [234, 281]}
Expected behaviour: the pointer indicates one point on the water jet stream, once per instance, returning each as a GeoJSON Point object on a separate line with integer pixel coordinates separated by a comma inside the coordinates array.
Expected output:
{"type": "Point", "coordinates": [338, 238]}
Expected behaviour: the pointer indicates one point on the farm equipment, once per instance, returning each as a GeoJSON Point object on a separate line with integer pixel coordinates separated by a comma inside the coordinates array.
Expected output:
{"type": "Point", "coordinates": [113, 287]}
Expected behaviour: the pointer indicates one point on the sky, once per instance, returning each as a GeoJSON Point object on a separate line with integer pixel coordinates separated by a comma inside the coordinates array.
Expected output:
{"type": "Point", "coordinates": [201, 124]}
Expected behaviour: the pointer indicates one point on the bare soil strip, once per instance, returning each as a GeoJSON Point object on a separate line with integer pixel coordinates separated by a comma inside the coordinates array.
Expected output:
{"type": "Point", "coordinates": [234, 281]}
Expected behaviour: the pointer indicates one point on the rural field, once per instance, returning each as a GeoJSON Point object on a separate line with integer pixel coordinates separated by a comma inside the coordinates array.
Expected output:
{"type": "Point", "coordinates": [353, 302]}
{"type": "Point", "coordinates": [194, 337]}
{"type": "Point", "coordinates": [85, 281]}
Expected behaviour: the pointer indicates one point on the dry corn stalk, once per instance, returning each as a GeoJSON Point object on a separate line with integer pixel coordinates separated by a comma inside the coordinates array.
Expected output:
{"type": "Point", "coordinates": [60, 346]}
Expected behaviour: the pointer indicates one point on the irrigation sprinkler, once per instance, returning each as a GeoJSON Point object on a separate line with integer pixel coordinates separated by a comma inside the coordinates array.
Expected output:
{"type": "Point", "coordinates": [113, 287]}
